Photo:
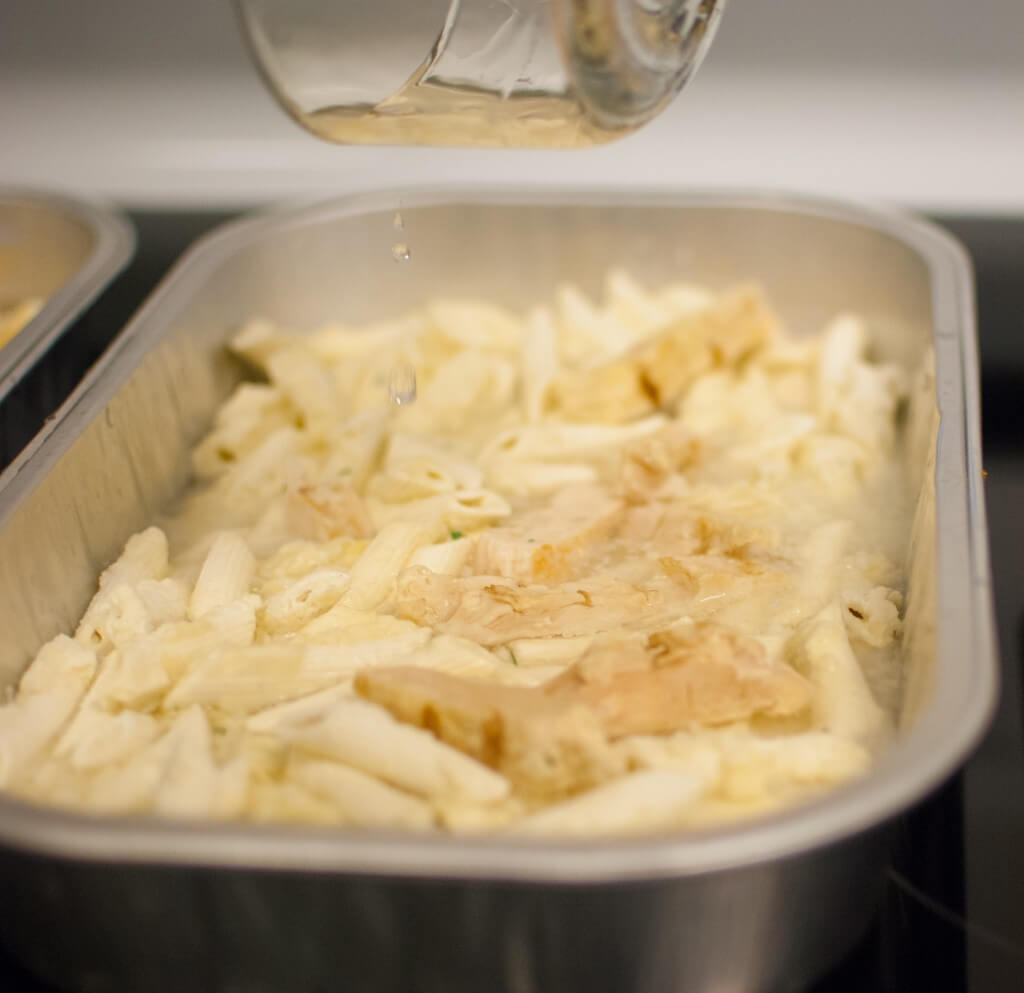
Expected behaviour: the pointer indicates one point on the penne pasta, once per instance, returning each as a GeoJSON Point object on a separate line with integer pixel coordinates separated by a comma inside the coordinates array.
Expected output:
{"type": "Point", "coordinates": [374, 574]}
{"type": "Point", "coordinates": [360, 799]}
{"type": "Point", "coordinates": [225, 575]}
{"type": "Point", "coordinates": [640, 802]}
{"type": "Point", "coordinates": [539, 362]}
{"type": "Point", "coordinates": [368, 738]}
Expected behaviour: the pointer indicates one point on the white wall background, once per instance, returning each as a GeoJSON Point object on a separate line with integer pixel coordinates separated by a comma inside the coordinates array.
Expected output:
{"type": "Point", "coordinates": [919, 102]}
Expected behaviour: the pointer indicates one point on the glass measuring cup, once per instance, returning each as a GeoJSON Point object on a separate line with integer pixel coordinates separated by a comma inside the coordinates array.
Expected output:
{"type": "Point", "coordinates": [527, 73]}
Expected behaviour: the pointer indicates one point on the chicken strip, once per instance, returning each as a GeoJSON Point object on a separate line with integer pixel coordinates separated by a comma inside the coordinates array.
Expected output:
{"type": "Point", "coordinates": [687, 530]}
{"type": "Point", "coordinates": [670, 681]}
{"type": "Point", "coordinates": [328, 510]}
{"type": "Point", "coordinates": [649, 463]}
{"type": "Point", "coordinates": [547, 748]}
{"type": "Point", "coordinates": [491, 610]}
{"type": "Point", "coordinates": [654, 374]}
{"type": "Point", "coordinates": [551, 543]}
{"type": "Point", "coordinates": [554, 739]}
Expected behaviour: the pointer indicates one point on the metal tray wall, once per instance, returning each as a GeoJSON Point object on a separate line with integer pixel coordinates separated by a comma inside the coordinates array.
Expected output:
{"type": "Point", "coordinates": [769, 928]}
{"type": "Point", "coordinates": [62, 250]}
{"type": "Point", "coordinates": [118, 451]}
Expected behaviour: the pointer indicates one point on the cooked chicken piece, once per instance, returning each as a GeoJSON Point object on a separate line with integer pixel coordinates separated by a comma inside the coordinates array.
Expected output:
{"type": "Point", "coordinates": [672, 361]}
{"type": "Point", "coordinates": [470, 715]}
{"type": "Point", "coordinates": [606, 394]}
{"type": "Point", "coordinates": [648, 464]}
{"type": "Point", "coordinates": [740, 593]}
{"type": "Point", "coordinates": [670, 681]}
{"type": "Point", "coordinates": [712, 574]}
{"type": "Point", "coordinates": [684, 530]}
{"type": "Point", "coordinates": [554, 739]}
{"type": "Point", "coordinates": [543, 746]}
{"type": "Point", "coordinates": [550, 544]}
{"type": "Point", "coordinates": [656, 372]}
{"type": "Point", "coordinates": [641, 522]}
{"type": "Point", "coordinates": [492, 610]}
{"type": "Point", "coordinates": [683, 576]}
{"type": "Point", "coordinates": [328, 510]}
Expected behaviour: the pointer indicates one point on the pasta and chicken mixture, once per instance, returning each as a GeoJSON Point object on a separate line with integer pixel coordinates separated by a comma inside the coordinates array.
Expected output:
{"type": "Point", "coordinates": [627, 566]}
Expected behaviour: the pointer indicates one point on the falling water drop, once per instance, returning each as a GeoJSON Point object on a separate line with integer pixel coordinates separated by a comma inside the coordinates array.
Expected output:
{"type": "Point", "coordinates": [402, 375]}
{"type": "Point", "coordinates": [402, 383]}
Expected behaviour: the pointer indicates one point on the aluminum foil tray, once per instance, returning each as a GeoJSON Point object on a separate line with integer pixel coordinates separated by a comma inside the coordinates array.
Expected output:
{"type": "Point", "coordinates": [146, 904]}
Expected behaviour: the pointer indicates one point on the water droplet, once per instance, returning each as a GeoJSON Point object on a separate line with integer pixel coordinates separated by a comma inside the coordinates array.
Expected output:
{"type": "Point", "coordinates": [397, 223]}
{"type": "Point", "coordinates": [400, 252]}
{"type": "Point", "coordinates": [402, 384]}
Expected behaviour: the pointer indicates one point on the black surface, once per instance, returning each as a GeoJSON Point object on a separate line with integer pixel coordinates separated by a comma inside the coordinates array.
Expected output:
{"type": "Point", "coordinates": [953, 917]}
